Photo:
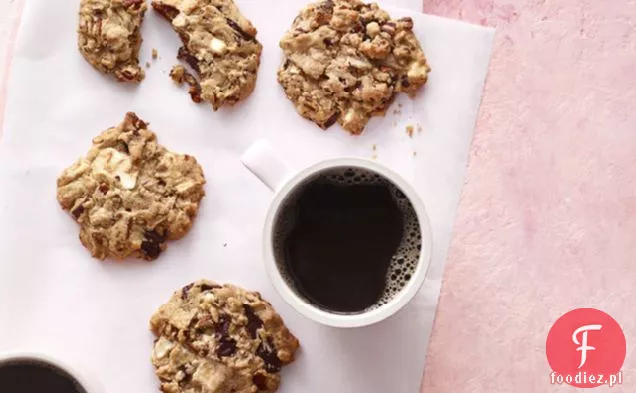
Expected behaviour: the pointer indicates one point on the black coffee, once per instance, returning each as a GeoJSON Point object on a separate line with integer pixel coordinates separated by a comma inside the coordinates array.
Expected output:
{"type": "Point", "coordinates": [36, 377]}
{"type": "Point", "coordinates": [345, 240]}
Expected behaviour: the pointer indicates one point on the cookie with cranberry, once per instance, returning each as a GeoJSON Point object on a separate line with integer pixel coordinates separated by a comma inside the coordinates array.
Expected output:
{"type": "Point", "coordinates": [215, 338]}
{"type": "Point", "coordinates": [129, 194]}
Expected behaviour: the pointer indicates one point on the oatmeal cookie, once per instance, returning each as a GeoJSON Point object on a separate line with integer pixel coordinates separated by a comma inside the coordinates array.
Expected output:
{"type": "Point", "coordinates": [346, 60]}
{"type": "Point", "coordinates": [109, 36]}
{"type": "Point", "coordinates": [129, 194]}
{"type": "Point", "coordinates": [215, 338]}
{"type": "Point", "coordinates": [219, 43]}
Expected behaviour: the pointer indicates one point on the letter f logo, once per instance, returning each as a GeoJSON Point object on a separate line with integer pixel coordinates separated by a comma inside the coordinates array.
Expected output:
{"type": "Point", "coordinates": [583, 344]}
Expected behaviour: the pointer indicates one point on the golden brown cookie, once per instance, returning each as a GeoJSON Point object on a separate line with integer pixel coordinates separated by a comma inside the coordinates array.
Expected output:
{"type": "Point", "coordinates": [346, 60]}
{"type": "Point", "coordinates": [215, 338]}
{"type": "Point", "coordinates": [219, 43]}
{"type": "Point", "coordinates": [109, 36]}
{"type": "Point", "coordinates": [131, 195]}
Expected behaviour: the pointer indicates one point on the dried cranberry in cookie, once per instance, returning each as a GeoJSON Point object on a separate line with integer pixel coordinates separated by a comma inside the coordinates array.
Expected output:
{"type": "Point", "coordinates": [219, 43]}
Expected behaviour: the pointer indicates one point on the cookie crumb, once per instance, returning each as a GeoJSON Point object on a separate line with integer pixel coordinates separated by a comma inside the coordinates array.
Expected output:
{"type": "Point", "coordinates": [409, 131]}
{"type": "Point", "coordinates": [414, 153]}
{"type": "Point", "coordinates": [374, 157]}
{"type": "Point", "coordinates": [147, 64]}
{"type": "Point", "coordinates": [179, 75]}
{"type": "Point", "coordinates": [155, 53]}
{"type": "Point", "coordinates": [374, 147]}
{"type": "Point", "coordinates": [224, 244]}
{"type": "Point", "coordinates": [419, 127]}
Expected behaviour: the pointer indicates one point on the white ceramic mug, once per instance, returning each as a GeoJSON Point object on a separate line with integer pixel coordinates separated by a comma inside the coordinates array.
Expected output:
{"type": "Point", "coordinates": [279, 176]}
{"type": "Point", "coordinates": [85, 381]}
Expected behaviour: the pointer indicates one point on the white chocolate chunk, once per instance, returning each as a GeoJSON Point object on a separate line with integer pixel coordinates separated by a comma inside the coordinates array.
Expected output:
{"type": "Point", "coordinates": [217, 46]}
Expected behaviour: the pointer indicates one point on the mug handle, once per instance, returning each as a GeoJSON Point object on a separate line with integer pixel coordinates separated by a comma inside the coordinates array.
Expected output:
{"type": "Point", "coordinates": [262, 161]}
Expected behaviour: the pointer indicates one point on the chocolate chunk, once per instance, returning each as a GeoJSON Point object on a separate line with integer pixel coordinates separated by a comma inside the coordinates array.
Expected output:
{"type": "Point", "coordinates": [195, 322]}
{"type": "Point", "coordinates": [405, 82]}
{"type": "Point", "coordinates": [78, 212]}
{"type": "Point", "coordinates": [238, 29]}
{"type": "Point", "coordinates": [167, 11]}
{"type": "Point", "coordinates": [226, 347]}
{"type": "Point", "coordinates": [260, 381]}
{"type": "Point", "coordinates": [103, 188]}
{"type": "Point", "coordinates": [354, 87]}
{"type": "Point", "coordinates": [332, 120]}
{"type": "Point", "coordinates": [268, 354]}
{"type": "Point", "coordinates": [206, 287]}
{"type": "Point", "coordinates": [155, 236]}
{"type": "Point", "coordinates": [185, 290]}
{"type": "Point", "coordinates": [151, 246]}
{"type": "Point", "coordinates": [253, 321]}
{"type": "Point", "coordinates": [389, 28]}
{"type": "Point", "coordinates": [327, 5]}
{"type": "Point", "coordinates": [222, 326]}
{"type": "Point", "coordinates": [188, 58]}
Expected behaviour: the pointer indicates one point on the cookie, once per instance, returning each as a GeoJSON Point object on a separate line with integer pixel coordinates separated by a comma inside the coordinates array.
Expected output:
{"type": "Point", "coordinates": [109, 36]}
{"type": "Point", "coordinates": [346, 61]}
{"type": "Point", "coordinates": [219, 43]}
{"type": "Point", "coordinates": [131, 195]}
{"type": "Point", "coordinates": [215, 338]}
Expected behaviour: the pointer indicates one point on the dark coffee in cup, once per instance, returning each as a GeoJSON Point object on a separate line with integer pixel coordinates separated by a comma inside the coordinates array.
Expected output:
{"type": "Point", "coordinates": [347, 240]}
{"type": "Point", "coordinates": [35, 376]}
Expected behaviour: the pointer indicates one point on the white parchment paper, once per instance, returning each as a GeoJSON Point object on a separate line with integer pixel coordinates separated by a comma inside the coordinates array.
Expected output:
{"type": "Point", "coordinates": [55, 298]}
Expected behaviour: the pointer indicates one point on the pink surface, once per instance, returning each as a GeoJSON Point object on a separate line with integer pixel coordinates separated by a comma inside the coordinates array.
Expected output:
{"type": "Point", "coordinates": [548, 216]}
{"type": "Point", "coordinates": [547, 221]}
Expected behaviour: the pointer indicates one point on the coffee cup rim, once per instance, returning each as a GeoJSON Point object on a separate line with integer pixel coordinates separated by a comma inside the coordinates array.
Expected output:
{"type": "Point", "coordinates": [337, 319]}
{"type": "Point", "coordinates": [87, 383]}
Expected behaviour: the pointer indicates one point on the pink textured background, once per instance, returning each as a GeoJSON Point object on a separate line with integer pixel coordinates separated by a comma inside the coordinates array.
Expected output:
{"type": "Point", "coordinates": [547, 221]}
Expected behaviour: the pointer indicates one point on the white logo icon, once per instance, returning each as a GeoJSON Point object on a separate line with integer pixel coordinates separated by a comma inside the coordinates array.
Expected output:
{"type": "Point", "coordinates": [583, 344]}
